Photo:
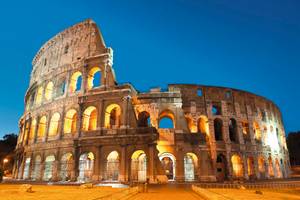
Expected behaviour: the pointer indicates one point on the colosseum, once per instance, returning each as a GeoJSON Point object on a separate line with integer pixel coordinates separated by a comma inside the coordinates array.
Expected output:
{"type": "Point", "coordinates": [80, 125]}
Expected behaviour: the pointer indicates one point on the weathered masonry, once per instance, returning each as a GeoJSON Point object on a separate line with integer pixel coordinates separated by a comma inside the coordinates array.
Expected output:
{"type": "Point", "coordinates": [80, 125]}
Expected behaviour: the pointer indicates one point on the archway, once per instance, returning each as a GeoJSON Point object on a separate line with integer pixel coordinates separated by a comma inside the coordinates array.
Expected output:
{"type": "Point", "coordinates": [190, 166]}
{"type": "Point", "coordinates": [75, 82]}
{"type": "Point", "coordinates": [221, 166]}
{"type": "Point", "coordinates": [237, 166]}
{"type": "Point", "coordinates": [232, 130]}
{"type": "Point", "coordinates": [86, 166]}
{"type": "Point", "coordinates": [112, 166]}
{"type": "Point", "coordinates": [278, 168]}
{"type": "Point", "coordinates": [168, 162]}
{"type": "Point", "coordinates": [112, 116]}
{"type": "Point", "coordinates": [70, 121]}
{"type": "Point", "coordinates": [166, 120]}
{"type": "Point", "coordinates": [66, 166]}
{"type": "Point", "coordinates": [271, 170]}
{"type": "Point", "coordinates": [89, 122]}
{"type": "Point", "coordinates": [48, 172]}
{"type": "Point", "coordinates": [37, 168]}
{"type": "Point", "coordinates": [53, 126]}
{"type": "Point", "coordinates": [139, 166]}
{"type": "Point", "coordinates": [250, 167]}
{"type": "Point", "coordinates": [144, 119]}
{"type": "Point", "coordinates": [261, 166]}
{"type": "Point", "coordinates": [94, 78]}
{"type": "Point", "coordinates": [26, 168]}
{"type": "Point", "coordinates": [218, 126]}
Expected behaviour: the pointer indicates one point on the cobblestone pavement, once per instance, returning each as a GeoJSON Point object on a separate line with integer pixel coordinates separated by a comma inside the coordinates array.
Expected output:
{"type": "Point", "coordinates": [168, 192]}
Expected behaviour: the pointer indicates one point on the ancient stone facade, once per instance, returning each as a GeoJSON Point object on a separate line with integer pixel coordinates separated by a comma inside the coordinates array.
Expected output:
{"type": "Point", "coordinates": [80, 125]}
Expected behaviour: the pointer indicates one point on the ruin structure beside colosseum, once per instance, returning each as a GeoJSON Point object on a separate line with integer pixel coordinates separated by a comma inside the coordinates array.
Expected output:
{"type": "Point", "coordinates": [79, 124]}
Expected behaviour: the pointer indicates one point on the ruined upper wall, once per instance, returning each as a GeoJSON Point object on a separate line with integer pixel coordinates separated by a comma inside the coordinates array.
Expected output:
{"type": "Point", "coordinates": [71, 45]}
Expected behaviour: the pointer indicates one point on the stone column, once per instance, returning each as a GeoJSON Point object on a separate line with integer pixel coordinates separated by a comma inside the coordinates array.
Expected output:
{"type": "Point", "coordinates": [179, 165]}
{"type": "Point", "coordinates": [123, 177]}
{"type": "Point", "coordinates": [150, 164]}
{"type": "Point", "coordinates": [256, 168]}
{"type": "Point", "coordinates": [45, 139]}
{"type": "Point", "coordinates": [230, 174]}
{"type": "Point", "coordinates": [97, 167]}
{"type": "Point", "coordinates": [245, 166]}
{"type": "Point", "coordinates": [61, 124]}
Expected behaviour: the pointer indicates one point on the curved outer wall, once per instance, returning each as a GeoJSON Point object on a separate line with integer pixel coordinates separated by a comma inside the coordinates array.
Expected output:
{"type": "Point", "coordinates": [116, 134]}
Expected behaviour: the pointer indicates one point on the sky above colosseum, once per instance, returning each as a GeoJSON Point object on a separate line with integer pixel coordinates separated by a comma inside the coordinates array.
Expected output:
{"type": "Point", "coordinates": [252, 45]}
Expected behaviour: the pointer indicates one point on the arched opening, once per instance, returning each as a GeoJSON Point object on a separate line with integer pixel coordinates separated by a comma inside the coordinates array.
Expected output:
{"type": "Point", "coordinates": [216, 110]}
{"type": "Point", "coordinates": [221, 166]}
{"type": "Point", "coordinates": [86, 166]}
{"type": "Point", "coordinates": [70, 121]}
{"type": "Point", "coordinates": [233, 130]}
{"type": "Point", "coordinates": [250, 167]}
{"type": "Point", "coordinates": [53, 127]}
{"type": "Point", "coordinates": [32, 129]}
{"type": "Point", "coordinates": [39, 96]}
{"type": "Point", "coordinates": [237, 166]}
{"type": "Point", "coordinates": [218, 126]}
{"type": "Point", "coordinates": [190, 166]}
{"type": "Point", "coordinates": [49, 91]}
{"type": "Point", "coordinates": [139, 166]}
{"type": "Point", "coordinates": [89, 121]}
{"type": "Point", "coordinates": [144, 119]}
{"type": "Point", "coordinates": [112, 116]}
{"type": "Point", "coordinates": [94, 78]}
{"type": "Point", "coordinates": [271, 170]}
{"type": "Point", "coordinates": [66, 167]}
{"type": "Point", "coordinates": [75, 82]}
{"type": "Point", "coordinates": [261, 166]}
{"type": "Point", "coordinates": [192, 127]}
{"type": "Point", "coordinates": [61, 88]}
{"type": "Point", "coordinates": [257, 131]}
{"type": "Point", "coordinates": [166, 120]}
{"type": "Point", "coordinates": [278, 168]}
{"type": "Point", "coordinates": [36, 168]}
{"type": "Point", "coordinates": [112, 166]}
{"type": "Point", "coordinates": [26, 168]}
{"type": "Point", "coordinates": [168, 162]}
{"type": "Point", "coordinates": [42, 127]}
{"type": "Point", "coordinates": [49, 167]}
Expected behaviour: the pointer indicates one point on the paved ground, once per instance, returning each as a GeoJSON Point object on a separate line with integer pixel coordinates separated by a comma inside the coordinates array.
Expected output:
{"type": "Point", "coordinates": [48, 192]}
{"type": "Point", "coordinates": [167, 192]}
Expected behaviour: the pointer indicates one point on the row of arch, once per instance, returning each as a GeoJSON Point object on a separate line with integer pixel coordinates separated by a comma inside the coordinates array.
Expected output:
{"type": "Point", "coordinates": [89, 121]}
{"type": "Point", "coordinates": [111, 172]}
{"type": "Point", "coordinates": [51, 91]}
{"type": "Point", "coordinates": [264, 166]}
{"type": "Point", "coordinates": [64, 168]}
{"type": "Point", "coordinates": [233, 131]}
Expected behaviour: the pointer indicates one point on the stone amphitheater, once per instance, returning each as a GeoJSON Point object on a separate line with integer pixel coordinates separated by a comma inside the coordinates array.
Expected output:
{"type": "Point", "coordinates": [80, 125]}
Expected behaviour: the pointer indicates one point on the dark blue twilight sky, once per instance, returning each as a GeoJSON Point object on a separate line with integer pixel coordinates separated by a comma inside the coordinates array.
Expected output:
{"type": "Point", "coordinates": [247, 44]}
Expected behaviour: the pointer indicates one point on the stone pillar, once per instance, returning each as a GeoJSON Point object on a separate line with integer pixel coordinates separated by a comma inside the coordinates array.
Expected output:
{"type": "Point", "coordinates": [230, 174]}
{"type": "Point", "coordinates": [179, 165]}
{"type": "Point", "coordinates": [61, 124]}
{"type": "Point", "coordinates": [245, 166]}
{"type": "Point", "coordinates": [79, 120]}
{"type": "Point", "coordinates": [42, 167]}
{"type": "Point", "coordinates": [123, 177]}
{"type": "Point", "coordinates": [256, 168]}
{"type": "Point", "coordinates": [97, 175]}
{"type": "Point", "coordinates": [35, 134]}
{"type": "Point", "coordinates": [45, 139]}
{"type": "Point", "coordinates": [267, 168]}
{"type": "Point", "coordinates": [150, 164]}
